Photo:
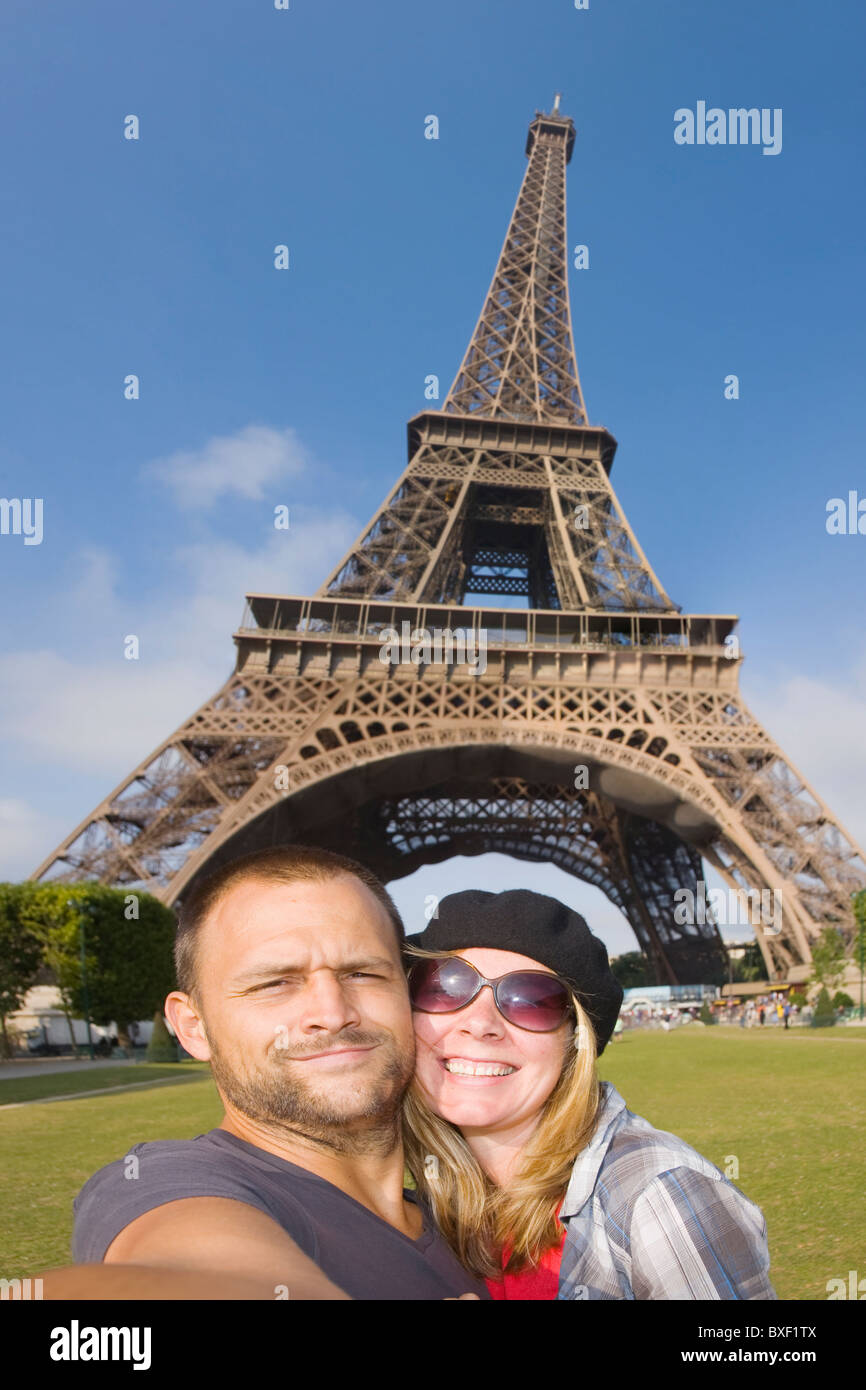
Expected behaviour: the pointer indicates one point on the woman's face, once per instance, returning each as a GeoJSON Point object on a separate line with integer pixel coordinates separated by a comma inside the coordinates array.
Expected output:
{"type": "Point", "coordinates": [451, 1046]}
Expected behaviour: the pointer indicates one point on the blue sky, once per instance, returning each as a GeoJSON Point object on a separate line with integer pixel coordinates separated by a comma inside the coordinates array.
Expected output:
{"type": "Point", "coordinates": [306, 127]}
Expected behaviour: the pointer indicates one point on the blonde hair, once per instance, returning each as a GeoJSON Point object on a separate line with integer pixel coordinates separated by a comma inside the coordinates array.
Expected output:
{"type": "Point", "coordinates": [478, 1218]}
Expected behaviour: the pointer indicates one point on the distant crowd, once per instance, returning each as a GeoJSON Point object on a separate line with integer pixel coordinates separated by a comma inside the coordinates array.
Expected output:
{"type": "Point", "coordinates": [772, 1010]}
{"type": "Point", "coordinates": [767, 1010]}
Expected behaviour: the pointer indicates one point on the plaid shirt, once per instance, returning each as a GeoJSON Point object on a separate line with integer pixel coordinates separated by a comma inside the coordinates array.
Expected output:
{"type": "Point", "coordinates": [647, 1217]}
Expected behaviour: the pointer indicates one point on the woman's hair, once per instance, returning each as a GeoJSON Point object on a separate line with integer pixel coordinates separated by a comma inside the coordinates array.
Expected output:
{"type": "Point", "coordinates": [478, 1218]}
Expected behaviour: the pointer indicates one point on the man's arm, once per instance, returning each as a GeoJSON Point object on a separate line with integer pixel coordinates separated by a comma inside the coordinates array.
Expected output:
{"type": "Point", "coordinates": [120, 1282]}
{"type": "Point", "coordinates": [184, 1244]}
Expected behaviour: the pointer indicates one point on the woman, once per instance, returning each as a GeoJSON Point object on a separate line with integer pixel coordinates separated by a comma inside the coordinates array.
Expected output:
{"type": "Point", "coordinates": [540, 1178]}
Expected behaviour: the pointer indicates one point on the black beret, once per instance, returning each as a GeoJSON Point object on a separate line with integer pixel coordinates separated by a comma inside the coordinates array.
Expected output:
{"type": "Point", "coordinates": [531, 924]}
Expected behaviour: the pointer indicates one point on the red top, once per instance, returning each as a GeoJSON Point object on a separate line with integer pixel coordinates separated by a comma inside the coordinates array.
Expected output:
{"type": "Point", "coordinates": [536, 1281]}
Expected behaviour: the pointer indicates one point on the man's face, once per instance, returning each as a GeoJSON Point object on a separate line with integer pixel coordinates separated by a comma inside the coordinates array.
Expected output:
{"type": "Point", "coordinates": [305, 1005]}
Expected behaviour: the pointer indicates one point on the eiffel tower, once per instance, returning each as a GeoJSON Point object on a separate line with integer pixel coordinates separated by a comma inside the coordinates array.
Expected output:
{"type": "Point", "coordinates": [605, 734]}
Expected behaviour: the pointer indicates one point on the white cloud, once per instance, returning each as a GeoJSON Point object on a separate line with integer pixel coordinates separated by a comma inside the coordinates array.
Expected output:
{"type": "Point", "coordinates": [820, 727]}
{"type": "Point", "coordinates": [93, 717]}
{"type": "Point", "coordinates": [26, 836]}
{"type": "Point", "coordinates": [289, 562]}
{"type": "Point", "coordinates": [100, 712]}
{"type": "Point", "coordinates": [241, 464]}
{"type": "Point", "coordinates": [86, 710]}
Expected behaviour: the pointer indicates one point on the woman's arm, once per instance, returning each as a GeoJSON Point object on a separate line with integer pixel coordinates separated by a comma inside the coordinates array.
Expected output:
{"type": "Point", "coordinates": [693, 1236]}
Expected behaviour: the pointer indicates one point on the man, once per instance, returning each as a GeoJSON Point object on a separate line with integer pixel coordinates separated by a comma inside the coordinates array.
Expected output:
{"type": "Point", "coordinates": [291, 985]}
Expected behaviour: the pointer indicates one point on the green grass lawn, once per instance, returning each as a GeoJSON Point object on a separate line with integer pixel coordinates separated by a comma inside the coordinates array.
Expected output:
{"type": "Point", "coordinates": [35, 1087]}
{"type": "Point", "coordinates": [789, 1107]}
{"type": "Point", "coordinates": [49, 1151]}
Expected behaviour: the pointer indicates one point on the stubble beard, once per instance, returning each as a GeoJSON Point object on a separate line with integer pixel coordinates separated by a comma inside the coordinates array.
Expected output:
{"type": "Point", "coordinates": [365, 1120]}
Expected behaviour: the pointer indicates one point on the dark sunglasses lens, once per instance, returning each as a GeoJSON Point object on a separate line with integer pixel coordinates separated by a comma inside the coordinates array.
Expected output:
{"type": "Point", "coordinates": [437, 986]}
{"type": "Point", "coordinates": [536, 1002]}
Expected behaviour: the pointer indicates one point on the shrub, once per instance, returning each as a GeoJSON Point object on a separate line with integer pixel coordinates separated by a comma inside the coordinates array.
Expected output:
{"type": "Point", "coordinates": [842, 1000]}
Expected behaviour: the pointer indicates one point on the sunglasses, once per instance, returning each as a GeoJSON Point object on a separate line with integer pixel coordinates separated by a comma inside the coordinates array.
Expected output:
{"type": "Point", "coordinates": [530, 999]}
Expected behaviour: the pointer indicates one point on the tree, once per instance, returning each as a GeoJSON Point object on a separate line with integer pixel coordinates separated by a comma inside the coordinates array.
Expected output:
{"type": "Point", "coordinates": [632, 970]}
{"type": "Point", "coordinates": [859, 905]}
{"type": "Point", "coordinates": [828, 958]}
{"type": "Point", "coordinates": [129, 940]}
{"type": "Point", "coordinates": [749, 966]}
{"type": "Point", "coordinates": [706, 1013]}
{"type": "Point", "coordinates": [162, 1046]}
{"type": "Point", "coordinates": [20, 955]}
{"type": "Point", "coordinates": [824, 1016]}
{"type": "Point", "coordinates": [55, 925]}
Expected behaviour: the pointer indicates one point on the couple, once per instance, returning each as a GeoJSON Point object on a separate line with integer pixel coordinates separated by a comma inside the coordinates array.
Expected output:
{"type": "Point", "coordinates": [533, 1180]}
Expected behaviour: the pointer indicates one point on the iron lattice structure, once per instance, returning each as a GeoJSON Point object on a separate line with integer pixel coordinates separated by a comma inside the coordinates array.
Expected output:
{"type": "Point", "coordinates": [315, 739]}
